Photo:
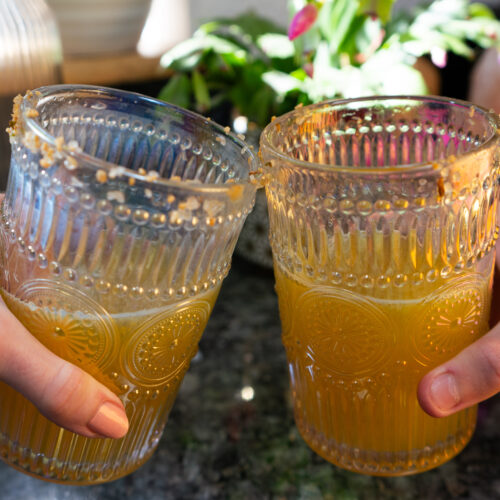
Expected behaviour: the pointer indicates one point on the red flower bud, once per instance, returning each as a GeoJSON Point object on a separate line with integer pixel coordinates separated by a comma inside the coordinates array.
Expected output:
{"type": "Point", "coordinates": [302, 21]}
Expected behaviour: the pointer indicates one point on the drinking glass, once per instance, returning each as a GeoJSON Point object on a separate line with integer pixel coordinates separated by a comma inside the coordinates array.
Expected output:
{"type": "Point", "coordinates": [30, 56]}
{"type": "Point", "coordinates": [383, 216]}
{"type": "Point", "coordinates": [119, 221]}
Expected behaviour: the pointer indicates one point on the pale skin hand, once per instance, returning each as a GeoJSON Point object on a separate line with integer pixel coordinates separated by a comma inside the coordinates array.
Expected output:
{"type": "Point", "coordinates": [61, 391]}
{"type": "Point", "coordinates": [470, 377]}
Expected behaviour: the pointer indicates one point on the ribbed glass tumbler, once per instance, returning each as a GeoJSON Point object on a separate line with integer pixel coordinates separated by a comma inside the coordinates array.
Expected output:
{"type": "Point", "coordinates": [383, 215]}
{"type": "Point", "coordinates": [118, 227]}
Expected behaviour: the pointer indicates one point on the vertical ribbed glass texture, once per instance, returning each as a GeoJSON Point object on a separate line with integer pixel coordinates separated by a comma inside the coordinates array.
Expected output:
{"type": "Point", "coordinates": [30, 56]}
{"type": "Point", "coordinates": [119, 221]}
{"type": "Point", "coordinates": [383, 215]}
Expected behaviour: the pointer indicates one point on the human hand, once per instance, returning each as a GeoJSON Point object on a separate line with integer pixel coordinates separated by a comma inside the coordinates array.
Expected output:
{"type": "Point", "coordinates": [61, 391]}
{"type": "Point", "coordinates": [470, 377]}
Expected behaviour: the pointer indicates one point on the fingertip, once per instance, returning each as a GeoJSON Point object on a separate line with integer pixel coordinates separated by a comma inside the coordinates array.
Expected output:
{"type": "Point", "coordinates": [76, 401]}
{"type": "Point", "coordinates": [438, 393]}
{"type": "Point", "coordinates": [110, 421]}
{"type": "Point", "coordinates": [424, 400]}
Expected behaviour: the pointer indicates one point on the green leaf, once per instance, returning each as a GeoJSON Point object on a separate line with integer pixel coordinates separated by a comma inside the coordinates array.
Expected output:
{"type": "Point", "coordinates": [275, 45]}
{"type": "Point", "coordinates": [349, 45]}
{"type": "Point", "coordinates": [382, 8]}
{"type": "Point", "coordinates": [457, 46]}
{"type": "Point", "coordinates": [249, 23]}
{"type": "Point", "coordinates": [367, 34]}
{"type": "Point", "coordinates": [480, 10]}
{"type": "Point", "coordinates": [198, 44]}
{"type": "Point", "coordinates": [480, 30]}
{"type": "Point", "coordinates": [334, 20]}
{"type": "Point", "coordinates": [234, 34]}
{"type": "Point", "coordinates": [177, 91]}
{"type": "Point", "coordinates": [231, 62]}
{"type": "Point", "coordinates": [416, 47]}
{"type": "Point", "coordinates": [281, 83]}
{"type": "Point", "coordinates": [299, 73]}
{"type": "Point", "coordinates": [200, 91]}
{"type": "Point", "coordinates": [262, 104]}
{"type": "Point", "coordinates": [401, 79]}
{"type": "Point", "coordinates": [322, 59]}
{"type": "Point", "coordinates": [390, 71]}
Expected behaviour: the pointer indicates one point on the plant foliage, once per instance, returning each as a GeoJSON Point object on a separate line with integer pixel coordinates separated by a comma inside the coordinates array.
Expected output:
{"type": "Point", "coordinates": [349, 48]}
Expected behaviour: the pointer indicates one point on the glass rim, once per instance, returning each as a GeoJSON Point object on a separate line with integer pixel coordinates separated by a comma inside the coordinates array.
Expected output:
{"type": "Point", "coordinates": [34, 97]}
{"type": "Point", "coordinates": [265, 141]}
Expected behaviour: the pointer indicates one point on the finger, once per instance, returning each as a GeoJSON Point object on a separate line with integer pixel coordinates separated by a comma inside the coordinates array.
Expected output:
{"type": "Point", "coordinates": [61, 391]}
{"type": "Point", "coordinates": [470, 377]}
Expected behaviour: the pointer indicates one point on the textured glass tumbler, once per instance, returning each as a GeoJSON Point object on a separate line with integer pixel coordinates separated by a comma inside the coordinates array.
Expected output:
{"type": "Point", "coordinates": [119, 221]}
{"type": "Point", "coordinates": [30, 56]}
{"type": "Point", "coordinates": [383, 215]}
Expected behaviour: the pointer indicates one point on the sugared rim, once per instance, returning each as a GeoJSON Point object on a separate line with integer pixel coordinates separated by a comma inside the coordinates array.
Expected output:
{"type": "Point", "coordinates": [266, 144]}
{"type": "Point", "coordinates": [37, 96]}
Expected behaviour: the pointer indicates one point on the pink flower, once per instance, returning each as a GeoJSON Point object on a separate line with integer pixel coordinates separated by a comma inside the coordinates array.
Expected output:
{"type": "Point", "coordinates": [439, 57]}
{"type": "Point", "coordinates": [302, 21]}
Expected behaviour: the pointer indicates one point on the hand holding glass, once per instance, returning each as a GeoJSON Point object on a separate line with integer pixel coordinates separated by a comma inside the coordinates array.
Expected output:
{"type": "Point", "coordinates": [118, 225]}
{"type": "Point", "coordinates": [383, 215]}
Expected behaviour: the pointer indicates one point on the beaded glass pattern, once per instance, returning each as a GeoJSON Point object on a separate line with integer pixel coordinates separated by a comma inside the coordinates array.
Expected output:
{"type": "Point", "coordinates": [383, 217]}
{"type": "Point", "coordinates": [118, 225]}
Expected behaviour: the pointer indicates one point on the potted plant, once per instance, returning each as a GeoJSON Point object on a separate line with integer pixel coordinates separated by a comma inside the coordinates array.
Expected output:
{"type": "Point", "coordinates": [245, 70]}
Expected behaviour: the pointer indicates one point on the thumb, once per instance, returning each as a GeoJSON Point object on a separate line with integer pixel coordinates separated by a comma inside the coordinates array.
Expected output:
{"type": "Point", "coordinates": [61, 391]}
{"type": "Point", "coordinates": [470, 377]}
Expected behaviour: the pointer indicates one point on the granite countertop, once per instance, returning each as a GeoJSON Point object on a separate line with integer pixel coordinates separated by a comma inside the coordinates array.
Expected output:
{"type": "Point", "coordinates": [217, 445]}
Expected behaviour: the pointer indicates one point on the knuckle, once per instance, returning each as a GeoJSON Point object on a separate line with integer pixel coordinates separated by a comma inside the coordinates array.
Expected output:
{"type": "Point", "coordinates": [489, 351]}
{"type": "Point", "coordinates": [61, 394]}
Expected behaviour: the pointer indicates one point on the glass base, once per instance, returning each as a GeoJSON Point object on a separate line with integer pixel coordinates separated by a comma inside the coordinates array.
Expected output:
{"type": "Point", "coordinates": [38, 447]}
{"type": "Point", "coordinates": [384, 463]}
{"type": "Point", "coordinates": [52, 476]}
{"type": "Point", "coordinates": [56, 471]}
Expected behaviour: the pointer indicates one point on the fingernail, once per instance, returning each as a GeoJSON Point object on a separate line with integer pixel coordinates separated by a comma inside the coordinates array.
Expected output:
{"type": "Point", "coordinates": [444, 392]}
{"type": "Point", "coordinates": [109, 421]}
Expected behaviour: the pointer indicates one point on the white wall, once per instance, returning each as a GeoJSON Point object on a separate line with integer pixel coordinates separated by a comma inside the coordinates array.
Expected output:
{"type": "Point", "coordinates": [201, 10]}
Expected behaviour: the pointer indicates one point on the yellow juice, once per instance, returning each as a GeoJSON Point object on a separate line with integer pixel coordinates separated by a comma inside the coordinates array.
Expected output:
{"type": "Point", "coordinates": [141, 356]}
{"type": "Point", "coordinates": [355, 362]}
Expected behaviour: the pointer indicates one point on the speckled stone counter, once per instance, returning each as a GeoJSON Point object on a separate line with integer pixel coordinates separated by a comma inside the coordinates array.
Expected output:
{"type": "Point", "coordinates": [217, 445]}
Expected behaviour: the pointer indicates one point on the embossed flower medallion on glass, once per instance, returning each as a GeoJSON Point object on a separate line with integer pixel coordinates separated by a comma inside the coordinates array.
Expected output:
{"type": "Point", "coordinates": [162, 348]}
{"type": "Point", "coordinates": [67, 321]}
{"type": "Point", "coordinates": [351, 335]}
{"type": "Point", "coordinates": [452, 319]}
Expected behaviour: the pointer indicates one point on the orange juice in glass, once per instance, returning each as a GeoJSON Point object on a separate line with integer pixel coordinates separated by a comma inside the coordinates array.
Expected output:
{"type": "Point", "coordinates": [383, 224]}
{"type": "Point", "coordinates": [118, 226]}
